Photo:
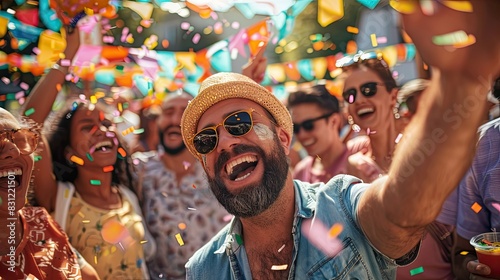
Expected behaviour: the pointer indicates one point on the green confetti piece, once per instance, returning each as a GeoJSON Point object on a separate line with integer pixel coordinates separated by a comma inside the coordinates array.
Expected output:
{"type": "Point", "coordinates": [95, 182]}
{"type": "Point", "coordinates": [125, 105]}
{"type": "Point", "coordinates": [29, 111]}
{"type": "Point", "coordinates": [138, 131]}
{"type": "Point", "coordinates": [120, 67]}
{"type": "Point", "coordinates": [11, 96]}
{"type": "Point", "coordinates": [90, 157]}
{"type": "Point", "coordinates": [238, 239]}
{"type": "Point", "coordinates": [416, 271]}
{"type": "Point", "coordinates": [37, 158]}
{"type": "Point", "coordinates": [450, 38]}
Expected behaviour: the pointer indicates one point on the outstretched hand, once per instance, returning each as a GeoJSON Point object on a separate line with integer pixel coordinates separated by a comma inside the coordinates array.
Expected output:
{"type": "Point", "coordinates": [256, 67]}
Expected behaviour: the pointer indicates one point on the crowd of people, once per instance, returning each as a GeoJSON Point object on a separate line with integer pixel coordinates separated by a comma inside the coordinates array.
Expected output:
{"type": "Point", "coordinates": [234, 183]}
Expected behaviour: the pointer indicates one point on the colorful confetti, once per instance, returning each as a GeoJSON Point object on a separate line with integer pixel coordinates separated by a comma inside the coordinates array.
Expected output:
{"type": "Point", "coordinates": [463, 253]}
{"type": "Point", "coordinates": [496, 205]}
{"type": "Point", "coordinates": [352, 29]}
{"type": "Point", "coordinates": [416, 271]}
{"type": "Point", "coordinates": [319, 236]}
{"type": "Point", "coordinates": [476, 207]}
{"type": "Point", "coordinates": [108, 168]}
{"type": "Point", "coordinates": [76, 160]}
{"type": "Point", "coordinates": [95, 182]}
{"type": "Point", "coordinates": [179, 239]}
{"type": "Point", "coordinates": [29, 112]}
{"type": "Point", "coordinates": [279, 267]}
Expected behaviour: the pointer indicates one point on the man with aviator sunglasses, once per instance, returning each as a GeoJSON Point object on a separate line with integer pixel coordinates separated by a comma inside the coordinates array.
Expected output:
{"type": "Point", "coordinates": [317, 125]}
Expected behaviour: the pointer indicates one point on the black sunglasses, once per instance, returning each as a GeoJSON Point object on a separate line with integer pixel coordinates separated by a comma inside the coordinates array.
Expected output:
{"type": "Point", "coordinates": [308, 125]}
{"type": "Point", "coordinates": [367, 89]}
{"type": "Point", "coordinates": [25, 139]}
{"type": "Point", "coordinates": [238, 124]}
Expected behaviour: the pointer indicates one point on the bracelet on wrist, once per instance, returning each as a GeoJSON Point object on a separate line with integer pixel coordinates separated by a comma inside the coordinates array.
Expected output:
{"type": "Point", "coordinates": [58, 67]}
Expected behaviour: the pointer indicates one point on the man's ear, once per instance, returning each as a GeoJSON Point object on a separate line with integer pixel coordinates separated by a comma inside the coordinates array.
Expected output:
{"type": "Point", "coordinates": [284, 138]}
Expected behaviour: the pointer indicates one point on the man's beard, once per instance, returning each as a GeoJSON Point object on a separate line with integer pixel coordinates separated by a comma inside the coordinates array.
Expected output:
{"type": "Point", "coordinates": [170, 151]}
{"type": "Point", "coordinates": [256, 198]}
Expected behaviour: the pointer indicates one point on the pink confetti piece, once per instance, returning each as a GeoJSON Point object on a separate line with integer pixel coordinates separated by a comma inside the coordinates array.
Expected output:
{"type": "Point", "coordinates": [19, 94]}
{"type": "Point", "coordinates": [196, 38]}
{"type": "Point", "coordinates": [381, 40]}
{"type": "Point", "coordinates": [318, 235]}
{"type": "Point", "coordinates": [186, 164]}
{"type": "Point", "coordinates": [110, 134]}
{"type": "Point", "coordinates": [399, 138]}
{"type": "Point", "coordinates": [65, 62]}
{"type": "Point", "coordinates": [24, 86]}
{"type": "Point", "coordinates": [139, 29]}
{"type": "Point", "coordinates": [185, 25]}
{"type": "Point", "coordinates": [235, 25]}
{"type": "Point", "coordinates": [36, 51]}
{"type": "Point", "coordinates": [108, 39]}
{"type": "Point", "coordinates": [5, 80]}
{"type": "Point", "coordinates": [136, 161]}
{"type": "Point", "coordinates": [496, 205]}
{"type": "Point", "coordinates": [21, 100]}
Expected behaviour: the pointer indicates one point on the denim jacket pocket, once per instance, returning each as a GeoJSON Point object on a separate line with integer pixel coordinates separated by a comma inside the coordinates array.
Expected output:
{"type": "Point", "coordinates": [347, 264]}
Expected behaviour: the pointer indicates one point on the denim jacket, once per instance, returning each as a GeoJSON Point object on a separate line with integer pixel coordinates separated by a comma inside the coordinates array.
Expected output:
{"type": "Point", "coordinates": [224, 257]}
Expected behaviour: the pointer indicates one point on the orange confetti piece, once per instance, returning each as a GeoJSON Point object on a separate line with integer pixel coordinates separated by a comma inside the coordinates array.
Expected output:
{"type": "Point", "coordinates": [122, 152]}
{"type": "Point", "coordinates": [194, 186]}
{"type": "Point", "coordinates": [352, 29]}
{"type": "Point", "coordinates": [463, 253]}
{"type": "Point", "coordinates": [335, 230]}
{"type": "Point", "coordinates": [76, 160]}
{"type": "Point", "coordinates": [108, 168]}
{"type": "Point", "coordinates": [101, 115]}
{"type": "Point", "coordinates": [476, 207]}
{"type": "Point", "coordinates": [128, 130]}
{"type": "Point", "coordinates": [182, 226]}
{"type": "Point", "coordinates": [58, 87]}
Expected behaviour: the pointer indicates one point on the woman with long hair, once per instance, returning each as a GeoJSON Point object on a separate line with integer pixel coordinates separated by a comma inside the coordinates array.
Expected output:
{"type": "Point", "coordinates": [84, 176]}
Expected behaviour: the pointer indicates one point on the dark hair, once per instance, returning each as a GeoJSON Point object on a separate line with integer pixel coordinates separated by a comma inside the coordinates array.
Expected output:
{"type": "Point", "coordinates": [496, 89]}
{"type": "Point", "coordinates": [59, 139]}
{"type": "Point", "coordinates": [317, 94]}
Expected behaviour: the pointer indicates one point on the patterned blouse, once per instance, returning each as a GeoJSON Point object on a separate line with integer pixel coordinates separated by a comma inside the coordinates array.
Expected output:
{"type": "Point", "coordinates": [109, 240]}
{"type": "Point", "coordinates": [44, 252]}
{"type": "Point", "coordinates": [181, 217]}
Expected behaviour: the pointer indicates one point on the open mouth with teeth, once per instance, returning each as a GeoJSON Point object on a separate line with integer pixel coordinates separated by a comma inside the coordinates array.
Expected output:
{"type": "Point", "coordinates": [241, 168]}
{"type": "Point", "coordinates": [365, 112]}
{"type": "Point", "coordinates": [102, 146]}
{"type": "Point", "coordinates": [7, 180]}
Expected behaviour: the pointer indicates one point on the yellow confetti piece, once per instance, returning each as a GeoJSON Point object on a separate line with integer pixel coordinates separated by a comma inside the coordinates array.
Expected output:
{"type": "Point", "coordinates": [279, 267]}
{"type": "Point", "coordinates": [76, 160]}
{"type": "Point", "coordinates": [81, 214]}
{"type": "Point", "coordinates": [463, 253]}
{"type": "Point", "coordinates": [93, 99]}
{"type": "Point", "coordinates": [476, 207]}
{"type": "Point", "coordinates": [179, 239]}
{"type": "Point", "coordinates": [143, 241]}
{"type": "Point", "coordinates": [120, 107]}
{"type": "Point", "coordinates": [66, 193]}
{"type": "Point", "coordinates": [373, 37]}
{"type": "Point", "coordinates": [335, 230]}
{"type": "Point", "coordinates": [352, 29]}
{"type": "Point", "coordinates": [95, 259]}
{"type": "Point", "coordinates": [182, 226]}
{"type": "Point", "coordinates": [86, 221]}
{"type": "Point", "coordinates": [128, 130]}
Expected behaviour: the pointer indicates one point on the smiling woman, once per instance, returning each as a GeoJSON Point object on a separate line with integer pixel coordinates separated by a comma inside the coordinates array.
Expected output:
{"type": "Point", "coordinates": [33, 245]}
{"type": "Point", "coordinates": [84, 177]}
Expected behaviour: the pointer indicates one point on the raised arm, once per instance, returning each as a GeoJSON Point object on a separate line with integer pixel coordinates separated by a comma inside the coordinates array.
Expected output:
{"type": "Point", "coordinates": [439, 144]}
{"type": "Point", "coordinates": [41, 99]}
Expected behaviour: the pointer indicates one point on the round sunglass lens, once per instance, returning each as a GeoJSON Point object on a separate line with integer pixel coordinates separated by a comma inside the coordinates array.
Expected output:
{"type": "Point", "coordinates": [238, 124]}
{"type": "Point", "coordinates": [205, 141]}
